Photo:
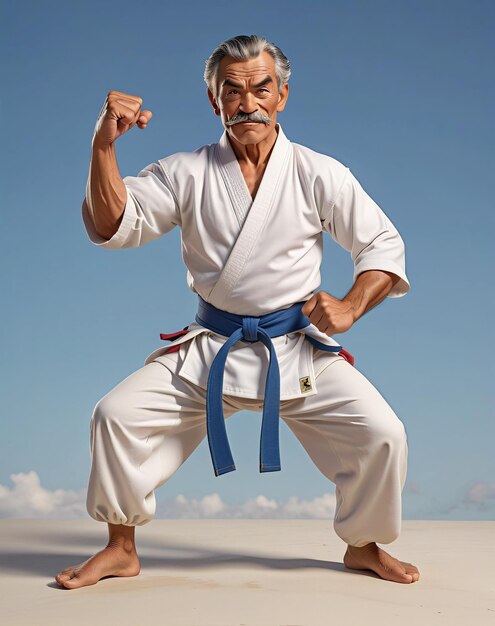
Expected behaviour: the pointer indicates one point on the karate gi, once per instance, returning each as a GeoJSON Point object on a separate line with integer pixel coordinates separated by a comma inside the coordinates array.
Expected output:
{"type": "Point", "coordinates": [248, 258]}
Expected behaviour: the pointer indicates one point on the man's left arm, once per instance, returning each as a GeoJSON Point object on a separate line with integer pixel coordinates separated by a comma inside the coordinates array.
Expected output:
{"type": "Point", "coordinates": [358, 224]}
{"type": "Point", "coordinates": [331, 315]}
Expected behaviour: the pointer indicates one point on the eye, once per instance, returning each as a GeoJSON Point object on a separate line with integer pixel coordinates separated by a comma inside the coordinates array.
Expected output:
{"type": "Point", "coordinates": [231, 91]}
{"type": "Point", "coordinates": [263, 89]}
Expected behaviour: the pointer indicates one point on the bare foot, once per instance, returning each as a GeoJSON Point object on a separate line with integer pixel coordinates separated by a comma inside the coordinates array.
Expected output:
{"type": "Point", "coordinates": [113, 560]}
{"type": "Point", "coordinates": [386, 566]}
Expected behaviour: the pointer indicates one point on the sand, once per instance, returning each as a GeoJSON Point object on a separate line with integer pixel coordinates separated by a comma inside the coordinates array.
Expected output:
{"type": "Point", "coordinates": [249, 572]}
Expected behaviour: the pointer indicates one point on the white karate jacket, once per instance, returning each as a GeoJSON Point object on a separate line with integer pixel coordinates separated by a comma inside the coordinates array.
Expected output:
{"type": "Point", "coordinates": [302, 193]}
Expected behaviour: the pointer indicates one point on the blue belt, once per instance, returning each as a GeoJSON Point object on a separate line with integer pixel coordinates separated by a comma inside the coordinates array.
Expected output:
{"type": "Point", "coordinates": [251, 329]}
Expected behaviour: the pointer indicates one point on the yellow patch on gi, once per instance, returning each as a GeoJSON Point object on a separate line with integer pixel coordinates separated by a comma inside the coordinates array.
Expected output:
{"type": "Point", "coordinates": [305, 383]}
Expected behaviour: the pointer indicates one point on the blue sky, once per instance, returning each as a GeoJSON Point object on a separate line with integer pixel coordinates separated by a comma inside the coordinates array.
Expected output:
{"type": "Point", "coordinates": [397, 91]}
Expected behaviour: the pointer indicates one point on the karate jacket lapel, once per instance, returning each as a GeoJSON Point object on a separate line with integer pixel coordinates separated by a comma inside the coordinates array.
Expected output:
{"type": "Point", "coordinates": [252, 215]}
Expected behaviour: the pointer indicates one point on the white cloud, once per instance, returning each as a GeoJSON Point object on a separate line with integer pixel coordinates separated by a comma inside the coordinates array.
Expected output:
{"type": "Point", "coordinates": [29, 499]}
{"type": "Point", "coordinates": [478, 495]}
{"type": "Point", "coordinates": [322, 507]}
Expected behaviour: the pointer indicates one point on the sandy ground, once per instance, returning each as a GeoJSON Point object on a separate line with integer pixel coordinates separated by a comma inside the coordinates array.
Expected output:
{"type": "Point", "coordinates": [246, 573]}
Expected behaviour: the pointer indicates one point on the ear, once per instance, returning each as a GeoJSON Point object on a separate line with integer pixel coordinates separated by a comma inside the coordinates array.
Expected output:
{"type": "Point", "coordinates": [213, 102]}
{"type": "Point", "coordinates": [282, 97]}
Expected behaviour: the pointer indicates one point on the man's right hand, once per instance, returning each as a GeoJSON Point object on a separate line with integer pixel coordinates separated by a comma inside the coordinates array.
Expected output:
{"type": "Point", "coordinates": [120, 112]}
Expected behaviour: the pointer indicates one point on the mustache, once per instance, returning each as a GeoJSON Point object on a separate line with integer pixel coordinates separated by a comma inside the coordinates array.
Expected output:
{"type": "Point", "coordinates": [256, 116]}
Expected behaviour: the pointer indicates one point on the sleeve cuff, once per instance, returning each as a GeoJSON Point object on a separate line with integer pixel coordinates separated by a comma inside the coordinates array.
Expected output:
{"type": "Point", "coordinates": [129, 219]}
{"type": "Point", "coordinates": [400, 288]}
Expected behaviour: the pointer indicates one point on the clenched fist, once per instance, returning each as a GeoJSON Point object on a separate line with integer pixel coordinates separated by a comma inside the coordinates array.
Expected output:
{"type": "Point", "coordinates": [329, 314]}
{"type": "Point", "coordinates": [119, 113]}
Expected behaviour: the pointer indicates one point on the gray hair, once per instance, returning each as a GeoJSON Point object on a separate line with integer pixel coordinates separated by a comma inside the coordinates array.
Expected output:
{"type": "Point", "coordinates": [242, 48]}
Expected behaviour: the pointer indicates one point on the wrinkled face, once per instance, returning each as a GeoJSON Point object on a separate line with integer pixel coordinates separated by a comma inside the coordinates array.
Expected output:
{"type": "Point", "coordinates": [248, 87]}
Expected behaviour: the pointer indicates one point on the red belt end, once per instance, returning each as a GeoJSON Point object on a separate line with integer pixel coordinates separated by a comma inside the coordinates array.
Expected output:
{"type": "Point", "coordinates": [347, 356]}
{"type": "Point", "coordinates": [173, 336]}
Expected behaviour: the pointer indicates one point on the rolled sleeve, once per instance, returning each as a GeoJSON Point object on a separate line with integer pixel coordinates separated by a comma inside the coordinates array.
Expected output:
{"type": "Point", "coordinates": [358, 224]}
{"type": "Point", "coordinates": [151, 210]}
{"type": "Point", "coordinates": [123, 234]}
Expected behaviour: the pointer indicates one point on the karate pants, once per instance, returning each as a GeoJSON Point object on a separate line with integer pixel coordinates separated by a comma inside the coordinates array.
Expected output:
{"type": "Point", "coordinates": [147, 426]}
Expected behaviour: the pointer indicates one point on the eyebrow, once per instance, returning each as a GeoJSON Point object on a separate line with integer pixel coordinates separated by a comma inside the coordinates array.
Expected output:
{"type": "Point", "coordinates": [231, 83]}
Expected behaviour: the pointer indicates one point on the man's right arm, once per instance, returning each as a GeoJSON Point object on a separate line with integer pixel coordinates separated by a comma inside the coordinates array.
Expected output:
{"type": "Point", "coordinates": [107, 192]}
{"type": "Point", "coordinates": [125, 212]}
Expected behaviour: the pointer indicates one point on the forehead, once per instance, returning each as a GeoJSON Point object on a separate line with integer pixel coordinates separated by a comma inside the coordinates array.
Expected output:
{"type": "Point", "coordinates": [232, 68]}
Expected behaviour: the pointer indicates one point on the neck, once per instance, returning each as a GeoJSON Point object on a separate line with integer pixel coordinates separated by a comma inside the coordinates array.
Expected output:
{"type": "Point", "coordinates": [255, 154]}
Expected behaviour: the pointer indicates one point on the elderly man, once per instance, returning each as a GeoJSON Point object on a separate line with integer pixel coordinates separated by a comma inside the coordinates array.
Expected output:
{"type": "Point", "coordinates": [252, 209]}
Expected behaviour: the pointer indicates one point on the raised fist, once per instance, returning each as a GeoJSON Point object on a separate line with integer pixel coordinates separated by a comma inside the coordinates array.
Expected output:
{"type": "Point", "coordinates": [119, 113]}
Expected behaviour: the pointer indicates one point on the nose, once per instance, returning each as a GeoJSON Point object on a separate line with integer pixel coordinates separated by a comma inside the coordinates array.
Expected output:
{"type": "Point", "coordinates": [248, 103]}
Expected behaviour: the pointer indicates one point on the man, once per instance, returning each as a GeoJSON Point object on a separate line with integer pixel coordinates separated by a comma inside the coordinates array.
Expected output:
{"type": "Point", "coordinates": [252, 209]}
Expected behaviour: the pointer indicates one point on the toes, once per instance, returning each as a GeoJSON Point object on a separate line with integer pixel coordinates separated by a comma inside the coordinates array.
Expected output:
{"type": "Point", "coordinates": [75, 581]}
{"type": "Point", "coordinates": [397, 574]}
{"type": "Point", "coordinates": [70, 578]}
{"type": "Point", "coordinates": [411, 569]}
{"type": "Point", "coordinates": [401, 576]}
{"type": "Point", "coordinates": [404, 573]}
{"type": "Point", "coordinates": [400, 571]}
{"type": "Point", "coordinates": [62, 577]}
{"type": "Point", "coordinates": [72, 583]}
{"type": "Point", "coordinates": [65, 574]}
{"type": "Point", "coordinates": [409, 566]}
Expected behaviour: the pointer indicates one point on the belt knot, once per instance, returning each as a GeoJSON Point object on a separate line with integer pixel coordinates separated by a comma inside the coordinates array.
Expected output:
{"type": "Point", "coordinates": [250, 328]}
